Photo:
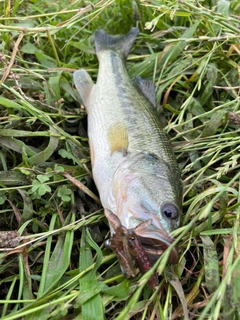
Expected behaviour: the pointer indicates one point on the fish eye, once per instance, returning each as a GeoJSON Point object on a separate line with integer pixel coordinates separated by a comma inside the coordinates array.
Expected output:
{"type": "Point", "coordinates": [169, 210]}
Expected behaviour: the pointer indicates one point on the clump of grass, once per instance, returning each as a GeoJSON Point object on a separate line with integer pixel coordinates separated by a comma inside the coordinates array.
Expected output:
{"type": "Point", "coordinates": [58, 266]}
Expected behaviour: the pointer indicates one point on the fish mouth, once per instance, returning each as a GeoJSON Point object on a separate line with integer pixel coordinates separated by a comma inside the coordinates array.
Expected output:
{"type": "Point", "coordinates": [154, 240]}
{"type": "Point", "coordinates": [154, 248]}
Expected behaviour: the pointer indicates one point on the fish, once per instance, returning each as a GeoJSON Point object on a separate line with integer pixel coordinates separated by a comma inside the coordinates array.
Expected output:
{"type": "Point", "coordinates": [133, 163]}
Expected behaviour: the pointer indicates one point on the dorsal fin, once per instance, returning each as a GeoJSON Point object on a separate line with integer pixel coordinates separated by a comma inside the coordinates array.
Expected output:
{"type": "Point", "coordinates": [84, 84]}
{"type": "Point", "coordinates": [146, 88]}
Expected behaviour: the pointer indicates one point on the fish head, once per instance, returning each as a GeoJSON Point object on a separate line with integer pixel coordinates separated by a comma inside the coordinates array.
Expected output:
{"type": "Point", "coordinates": [147, 194]}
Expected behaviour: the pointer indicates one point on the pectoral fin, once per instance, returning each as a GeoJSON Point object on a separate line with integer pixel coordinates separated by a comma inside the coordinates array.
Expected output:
{"type": "Point", "coordinates": [84, 84]}
{"type": "Point", "coordinates": [118, 138]}
{"type": "Point", "coordinates": [146, 88]}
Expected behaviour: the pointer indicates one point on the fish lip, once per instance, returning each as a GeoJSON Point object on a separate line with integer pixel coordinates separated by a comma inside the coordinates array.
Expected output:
{"type": "Point", "coordinates": [155, 242]}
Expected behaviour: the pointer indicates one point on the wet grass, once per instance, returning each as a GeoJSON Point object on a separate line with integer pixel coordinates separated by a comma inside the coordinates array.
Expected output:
{"type": "Point", "coordinates": [58, 267]}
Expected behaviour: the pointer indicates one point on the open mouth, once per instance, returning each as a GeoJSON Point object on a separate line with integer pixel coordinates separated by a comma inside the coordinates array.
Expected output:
{"type": "Point", "coordinates": [155, 241]}
{"type": "Point", "coordinates": [155, 248]}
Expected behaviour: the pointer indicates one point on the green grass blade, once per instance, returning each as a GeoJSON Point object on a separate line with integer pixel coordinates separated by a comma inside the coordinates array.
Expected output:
{"type": "Point", "coordinates": [212, 277]}
{"type": "Point", "coordinates": [91, 304]}
{"type": "Point", "coordinates": [174, 50]}
{"type": "Point", "coordinates": [47, 255]}
{"type": "Point", "coordinates": [44, 155]}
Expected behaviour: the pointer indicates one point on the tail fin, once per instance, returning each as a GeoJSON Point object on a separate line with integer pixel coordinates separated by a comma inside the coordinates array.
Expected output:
{"type": "Point", "coordinates": [123, 44]}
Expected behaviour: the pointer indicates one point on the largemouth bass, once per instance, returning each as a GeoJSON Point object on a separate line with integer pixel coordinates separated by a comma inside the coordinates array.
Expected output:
{"type": "Point", "coordinates": [133, 164]}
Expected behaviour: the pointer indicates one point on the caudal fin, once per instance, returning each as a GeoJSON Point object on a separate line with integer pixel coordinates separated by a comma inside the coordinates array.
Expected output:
{"type": "Point", "coordinates": [123, 44]}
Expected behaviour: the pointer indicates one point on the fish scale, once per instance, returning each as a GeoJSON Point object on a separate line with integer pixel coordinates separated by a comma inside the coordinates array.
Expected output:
{"type": "Point", "coordinates": [134, 167]}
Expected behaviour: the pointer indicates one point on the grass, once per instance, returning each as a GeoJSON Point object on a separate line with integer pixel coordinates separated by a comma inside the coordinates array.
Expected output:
{"type": "Point", "coordinates": [58, 267]}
